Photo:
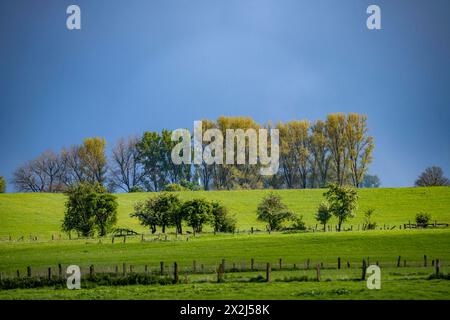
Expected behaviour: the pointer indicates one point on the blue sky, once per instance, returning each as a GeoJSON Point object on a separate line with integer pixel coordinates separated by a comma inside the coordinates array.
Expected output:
{"type": "Point", "coordinates": [149, 65]}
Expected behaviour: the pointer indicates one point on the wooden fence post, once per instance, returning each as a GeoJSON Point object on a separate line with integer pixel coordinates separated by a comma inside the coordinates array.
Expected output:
{"type": "Point", "coordinates": [91, 270]}
{"type": "Point", "coordinates": [307, 264]}
{"type": "Point", "coordinates": [339, 263]}
{"type": "Point", "coordinates": [161, 267]}
{"type": "Point", "coordinates": [223, 264]}
{"type": "Point", "coordinates": [280, 263]}
{"type": "Point", "coordinates": [194, 264]}
{"type": "Point", "coordinates": [175, 273]}
{"type": "Point", "coordinates": [438, 267]}
{"type": "Point", "coordinates": [268, 272]}
{"type": "Point", "coordinates": [49, 273]}
{"type": "Point", "coordinates": [398, 261]}
{"type": "Point", "coordinates": [425, 260]}
{"type": "Point", "coordinates": [252, 264]}
{"type": "Point", "coordinates": [348, 264]}
{"type": "Point", "coordinates": [18, 273]}
{"type": "Point", "coordinates": [116, 269]}
{"type": "Point", "coordinates": [124, 268]}
{"type": "Point", "coordinates": [59, 270]}
{"type": "Point", "coordinates": [318, 272]}
{"type": "Point", "coordinates": [146, 269]}
{"type": "Point", "coordinates": [364, 269]}
{"type": "Point", "coordinates": [29, 272]}
{"type": "Point", "coordinates": [202, 268]}
{"type": "Point", "coordinates": [112, 240]}
{"type": "Point", "coordinates": [220, 271]}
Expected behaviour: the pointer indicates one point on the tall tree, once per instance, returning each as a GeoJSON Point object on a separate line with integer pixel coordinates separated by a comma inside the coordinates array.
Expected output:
{"type": "Point", "coordinates": [335, 131]}
{"type": "Point", "coordinates": [150, 155]}
{"type": "Point", "coordinates": [359, 146]}
{"type": "Point", "coordinates": [432, 176]}
{"type": "Point", "coordinates": [2, 184]}
{"type": "Point", "coordinates": [93, 159]}
{"type": "Point", "coordinates": [126, 171]}
{"type": "Point", "coordinates": [42, 174]}
{"type": "Point", "coordinates": [73, 172]}
{"type": "Point", "coordinates": [232, 176]}
{"type": "Point", "coordinates": [320, 155]}
{"type": "Point", "coordinates": [204, 170]}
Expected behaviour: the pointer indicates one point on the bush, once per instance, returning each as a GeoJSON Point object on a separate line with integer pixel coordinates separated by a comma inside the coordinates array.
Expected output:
{"type": "Point", "coordinates": [136, 189]}
{"type": "Point", "coordinates": [368, 223]}
{"type": "Point", "coordinates": [422, 219]}
{"type": "Point", "coordinates": [174, 187]}
{"type": "Point", "coordinates": [222, 221]}
{"type": "Point", "coordinates": [299, 224]}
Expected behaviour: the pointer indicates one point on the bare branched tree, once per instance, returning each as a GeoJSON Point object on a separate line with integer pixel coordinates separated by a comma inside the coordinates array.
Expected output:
{"type": "Point", "coordinates": [432, 176]}
{"type": "Point", "coordinates": [126, 172]}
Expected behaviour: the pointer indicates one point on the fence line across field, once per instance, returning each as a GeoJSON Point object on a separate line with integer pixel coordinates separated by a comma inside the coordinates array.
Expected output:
{"type": "Point", "coordinates": [250, 265]}
{"type": "Point", "coordinates": [171, 236]}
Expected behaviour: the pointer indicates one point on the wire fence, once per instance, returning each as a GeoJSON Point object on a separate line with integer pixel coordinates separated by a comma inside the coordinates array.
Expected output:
{"type": "Point", "coordinates": [196, 267]}
{"type": "Point", "coordinates": [172, 236]}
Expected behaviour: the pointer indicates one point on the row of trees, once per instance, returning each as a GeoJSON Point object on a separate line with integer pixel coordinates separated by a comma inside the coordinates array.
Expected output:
{"type": "Point", "coordinates": [312, 154]}
{"type": "Point", "coordinates": [341, 202]}
{"type": "Point", "coordinates": [51, 172]}
{"type": "Point", "coordinates": [167, 210]}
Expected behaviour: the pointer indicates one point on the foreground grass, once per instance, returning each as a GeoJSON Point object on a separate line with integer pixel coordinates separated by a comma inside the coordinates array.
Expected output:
{"type": "Point", "coordinates": [395, 289]}
{"type": "Point", "coordinates": [41, 214]}
{"type": "Point", "coordinates": [383, 246]}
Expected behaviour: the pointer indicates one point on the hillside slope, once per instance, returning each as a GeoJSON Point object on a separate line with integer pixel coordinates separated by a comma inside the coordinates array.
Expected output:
{"type": "Point", "coordinates": [41, 214]}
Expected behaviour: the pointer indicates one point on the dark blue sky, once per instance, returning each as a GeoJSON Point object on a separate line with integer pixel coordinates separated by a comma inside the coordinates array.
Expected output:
{"type": "Point", "coordinates": [148, 65]}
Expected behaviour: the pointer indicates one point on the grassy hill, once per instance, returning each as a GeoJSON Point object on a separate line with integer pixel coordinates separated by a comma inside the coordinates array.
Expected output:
{"type": "Point", "coordinates": [41, 214]}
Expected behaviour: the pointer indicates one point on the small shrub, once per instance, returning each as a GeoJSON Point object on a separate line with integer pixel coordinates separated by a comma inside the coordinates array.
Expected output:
{"type": "Point", "coordinates": [258, 278]}
{"type": "Point", "coordinates": [174, 187]}
{"type": "Point", "coordinates": [422, 219]}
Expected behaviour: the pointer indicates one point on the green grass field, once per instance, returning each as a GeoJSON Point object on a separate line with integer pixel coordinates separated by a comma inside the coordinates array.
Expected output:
{"type": "Point", "coordinates": [40, 214]}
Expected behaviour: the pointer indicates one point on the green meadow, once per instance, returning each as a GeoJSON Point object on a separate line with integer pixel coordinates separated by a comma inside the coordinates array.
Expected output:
{"type": "Point", "coordinates": [41, 214]}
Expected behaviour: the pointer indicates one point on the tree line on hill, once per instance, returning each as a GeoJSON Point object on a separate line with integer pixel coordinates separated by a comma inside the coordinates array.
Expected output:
{"type": "Point", "coordinates": [91, 210]}
{"type": "Point", "coordinates": [312, 154]}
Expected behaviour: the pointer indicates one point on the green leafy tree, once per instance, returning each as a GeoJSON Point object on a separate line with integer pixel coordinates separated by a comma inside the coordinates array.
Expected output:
{"type": "Point", "coordinates": [161, 210]}
{"type": "Point", "coordinates": [197, 212]}
{"type": "Point", "coordinates": [105, 215]}
{"type": "Point", "coordinates": [342, 202]}
{"type": "Point", "coordinates": [222, 221]}
{"type": "Point", "coordinates": [2, 185]}
{"type": "Point", "coordinates": [323, 214]}
{"type": "Point", "coordinates": [146, 215]}
{"type": "Point", "coordinates": [89, 208]}
{"type": "Point", "coordinates": [273, 211]}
